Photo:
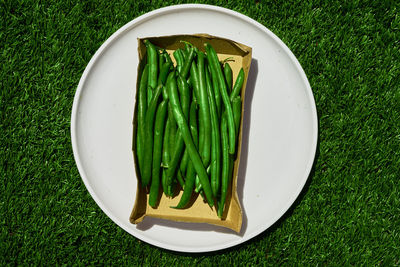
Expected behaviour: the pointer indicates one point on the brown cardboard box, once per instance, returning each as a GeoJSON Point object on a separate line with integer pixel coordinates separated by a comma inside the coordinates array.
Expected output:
{"type": "Point", "coordinates": [199, 211]}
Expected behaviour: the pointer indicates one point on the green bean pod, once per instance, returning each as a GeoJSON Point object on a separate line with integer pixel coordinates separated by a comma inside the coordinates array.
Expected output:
{"type": "Point", "coordinates": [238, 85]}
{"type": "Point", "coordinates": [198, 186]}
{"type": "Point", "coordinates": [168, 59]}
{"type": "Point", "coordinates": [204, 114]}
{"type": "Point", "coordinates": [142, 108]}
{"type": "Point", "coordinates": [148, 145]}
{"type": "Point", "coordinates": [152, 58]}
{"type": "Point", "coordinates": [184, 92]}
{"type": "Point", "coordinates": [164, 181]}
{"type": "Point", "coordinates": [185, 55]}
{"type": "Point", "coordinates": [188, 46]}
{"type": "Point", "coordinates": [190, 171]}
{"type": "Point", "coordinates": [166, 155]}
{"type": "Point", "coordinates": [164, 71]}
{"type": "Point", "coordinates": [172, 130]}
{"type": "Point", "coordinates": [225, 165]}
{"type": "Point", "coordinates": [179, 59]}
{"type": "Point", "coordinates": [180, 179]}
{"type": "Point", "coordinates": [215, 140]}
{"type": "Point", "coordinates": [213, 59]}
{"type": "Point", "coordinates": [188, 188]}
{"type": "Point", "coordinates": [171, 148]}
{"type": "Point", "coordinates": [184, 161]}
{"type": "Point", "coordinates": [193, 123]}
{"type": "Point", "coordinates": [161, 60]}
{"type": "Point", "coordinates": [157, 152]}
{"type": "Point", "coordinates": [179, 143]}
{"type": "Point", "coordinates": [187, 63]}
{"type": "Point", "coordinates": [194, 81]}
{"type": "Point", "coordinates": [217, 92]}
{"type": "Point", "coordinates": [184, 128]}
{"type": "Point", "coordinates": [237, 112]}
{"type": "Point", "coordinates": [228, 76]}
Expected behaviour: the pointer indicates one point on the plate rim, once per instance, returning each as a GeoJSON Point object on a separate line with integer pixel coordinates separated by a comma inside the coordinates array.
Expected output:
{"type": "Point", "coordinates": [143, 18]}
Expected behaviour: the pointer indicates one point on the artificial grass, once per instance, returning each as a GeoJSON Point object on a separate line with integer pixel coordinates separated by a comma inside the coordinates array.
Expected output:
{"type": "Point", "coordinates": [348, 213]}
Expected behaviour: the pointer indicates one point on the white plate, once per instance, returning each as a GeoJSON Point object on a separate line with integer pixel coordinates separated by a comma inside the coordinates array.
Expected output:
{"type": "Point", "coordinates": [280, 133]}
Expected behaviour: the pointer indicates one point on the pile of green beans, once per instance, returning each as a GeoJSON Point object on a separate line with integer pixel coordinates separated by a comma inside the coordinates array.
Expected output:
{"type": "Point", "coordinates": [188, 124]}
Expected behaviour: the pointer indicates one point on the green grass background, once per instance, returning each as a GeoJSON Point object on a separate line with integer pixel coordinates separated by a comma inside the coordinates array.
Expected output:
{"type": "Point", "coordinates": [349, 213]}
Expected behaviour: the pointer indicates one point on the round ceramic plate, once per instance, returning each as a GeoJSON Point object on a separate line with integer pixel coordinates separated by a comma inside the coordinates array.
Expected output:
{"type": "Point", "coordinates": [279, 136]}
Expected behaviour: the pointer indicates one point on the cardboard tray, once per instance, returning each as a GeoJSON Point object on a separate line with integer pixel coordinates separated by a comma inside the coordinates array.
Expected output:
{"type": "Point", "coordinates": [197, 211]}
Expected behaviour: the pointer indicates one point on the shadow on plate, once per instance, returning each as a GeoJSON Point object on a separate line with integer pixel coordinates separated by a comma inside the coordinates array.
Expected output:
{"type": "Point", "coordinates": [277, 224]}
{"type": "Point", "coordinates": [287, 214]}
{"type": "Point", "coordinates": [250, 87]}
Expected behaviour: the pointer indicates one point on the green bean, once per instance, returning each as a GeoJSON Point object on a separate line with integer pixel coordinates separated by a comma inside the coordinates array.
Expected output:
{"type": "Point", "coordinates": [179, 59]}
{"type": "Point", "coordinates": [187, 46]}
{"type": "Point", "coordinates": [184, 161]}
{"type": "Point", "coordinates": [149, 95]}
{"type": "Point", "coordinates": [190, 172]}
{"type": "Point", "coordinates": [185, 96]}
{"type": "Point", "coordinates": [165, 93]}
{"type": "Point", "coordinates": [164, 181]}
{"type": "Point", "coordinates": [213, 59]}
{"type": "Point", "coordinates": [166, 155]}
{"type": "Point", "coordinates": [238, 85]}
{"type": "Point", "coordinates": [184, 92]}
{"type": "Point", "coordinates": [172, 130]}
{"type": "Point", "coordinates": [164, 70]}
{"type": "Point", "coordinates": [183, 127]}
{"type": "Point", "coordinates": [225, 165]}
{"type": "Point", "coordinates": [166, 151]}
{"type": "Point", "coordinates": [162, 78]}
{"type": "Point", "coordinates": [217, 92]}
{"type": "Point", "coordinates": [148, 144]}
{"type": "Point", "coordinates": [184, 54]}
{"type": "Point", "coordinates": [204, 114]}
{"type": "Point", "coordinates": [237, 112]}
{"type": "Point", "coordinates": [215, 140]}
{"type": "Point", "coordinates": [187, 63]}
{"type": "Point", "coordinates": [171, 148]}
{"type": "Point", "coordinates": [188, 188]}
{"type": "Point", "coordinates": [161, 59]}
{"type": "Point", "coordinates": [157, 152]}
{"type": "Point", "coordinates": [152, 58]}
{"type": "Point", "coordinates": [180, 179]}
{"type": "Point", "coordinates": [198, 185]}
{"type": "Point", "coordinates": [228, 76]}
{"type": "Point", "coordinates": [168, 59]}
{"type": "Point", "coordinates": [194, 80]}
{"type": "Point", "coordinates": [142, 108]}
{"type": "Point", "coordinates": [179, 143]}
{"type": "Point", "coordinates": [193, 123]}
